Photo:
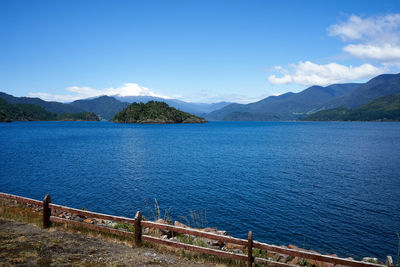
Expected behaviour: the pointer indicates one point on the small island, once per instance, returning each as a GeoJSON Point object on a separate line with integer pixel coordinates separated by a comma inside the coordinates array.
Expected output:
{"type": "Point", "coordinates": [154, 112]}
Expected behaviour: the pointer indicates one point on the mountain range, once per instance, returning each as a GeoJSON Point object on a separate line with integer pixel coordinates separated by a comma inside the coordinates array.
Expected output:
{"type": "Point", "coordinates": [288, 106]}
{"type": "Point", "coordinates": [292, 106]}
{"type": "Point", "coordinates": [107, 106]}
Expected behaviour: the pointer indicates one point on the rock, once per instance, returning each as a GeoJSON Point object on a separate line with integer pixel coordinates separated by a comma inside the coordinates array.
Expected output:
{"type": "Point", "coordinates": [293, 247]}
{"type": "Point", "coordinates": [218, 243]}
{"type": "Point", "coordinates": [109, 223]}
{"type": "Point", "coordinates": [234, 246]}
{"type": "Point", "coordinates": [210, 230]}
{"type": "Point", "coordinates": [176, 223]}
{"type": "Point", "coordinates": [60, 215]}
{"type": "Point", "coordinates": [91, 221]}
{"type": "Point", "coordinates": [370, 259]}
{"type": "Point", "coordinates": [296, 260]}
{"type": "Point", "coordinates": [162, 232]}
{"type": "Point", "coordinates": [164, 237]}
{"type": "Point", "coordinates": [221, 232]}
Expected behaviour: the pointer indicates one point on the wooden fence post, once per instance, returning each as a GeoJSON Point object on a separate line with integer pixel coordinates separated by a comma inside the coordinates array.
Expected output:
{"type": "Point", "coordinates": [389, 261]}
{"type": "Point", "coordinates": [138, 229]}
{"type": "Point", "coordinates": [250, 249]}
{"type": "Point", "coordinates": [46, 211]}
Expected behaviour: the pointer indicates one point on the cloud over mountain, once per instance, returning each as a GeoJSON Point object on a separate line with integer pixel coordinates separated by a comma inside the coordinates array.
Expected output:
{"type": "Point", "coordinates": [308, 73]}
{"type": "Point", "coordinates": [77, 92]}
{"type": "Point", "coordinates": [375, 40]}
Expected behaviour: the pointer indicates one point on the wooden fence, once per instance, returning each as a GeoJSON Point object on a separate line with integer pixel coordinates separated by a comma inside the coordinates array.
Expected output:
{"type": "Point", "coordinates": [138, 223]}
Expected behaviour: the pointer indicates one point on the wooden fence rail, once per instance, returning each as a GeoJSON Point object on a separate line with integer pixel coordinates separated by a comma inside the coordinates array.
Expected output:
{"type": "Point", "coordinates": [48, 208]}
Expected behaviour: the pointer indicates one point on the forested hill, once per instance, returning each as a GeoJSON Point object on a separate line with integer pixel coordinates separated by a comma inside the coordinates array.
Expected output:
{"type": "Point", "coordinates": [154, 112]}
{"type": "Point", "coordinates": [51, 106]}
{"type": "Point", "coordinates": [23, 112]}
{"type": "Point", "coordinates": [30, 112]}
{"type": "Point", "coordinates": [385, 108]}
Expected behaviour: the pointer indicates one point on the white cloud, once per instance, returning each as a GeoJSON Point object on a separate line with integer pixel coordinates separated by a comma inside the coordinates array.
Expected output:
{"type": "Point", "coordinates": [372, 28]}
{"type": "Point", "coordinates": [283, 80]}
{"type": "Point", "coordinates": [206, 97]}
{"type": "Point", "coordinates": [375, 40]}
{"type": "Point", "coordinates": [308, 73]}
{"type": "Point", "coordinates": [378, 37]}
{"type": "Point", "coordinates": [386, 53]}
{"type": "Point", "coordinates": [127, 89]}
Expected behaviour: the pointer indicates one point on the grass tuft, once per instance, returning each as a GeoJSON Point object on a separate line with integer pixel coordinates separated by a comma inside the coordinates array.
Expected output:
{"type": "Point", "coordinates": [125, 226]}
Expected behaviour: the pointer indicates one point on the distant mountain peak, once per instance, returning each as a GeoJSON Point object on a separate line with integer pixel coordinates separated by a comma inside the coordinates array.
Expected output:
{"type": "Point", "coordinates": [288, 106]}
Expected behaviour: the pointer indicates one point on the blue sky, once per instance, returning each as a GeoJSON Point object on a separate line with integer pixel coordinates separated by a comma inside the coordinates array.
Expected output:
{"type": "Point", "coordinates": [202, 51]}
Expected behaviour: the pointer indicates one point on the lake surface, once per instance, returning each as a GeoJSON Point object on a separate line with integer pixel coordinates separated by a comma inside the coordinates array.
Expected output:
{"type": "Point", "coordinates": [331, 187]}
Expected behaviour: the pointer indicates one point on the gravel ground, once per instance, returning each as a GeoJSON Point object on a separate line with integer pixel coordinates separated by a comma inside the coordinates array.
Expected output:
{"type": "Point", "coordinates": [29, 245]}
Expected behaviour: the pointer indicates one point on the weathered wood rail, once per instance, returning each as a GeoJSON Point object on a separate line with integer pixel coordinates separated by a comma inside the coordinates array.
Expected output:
{"type": "Point", "coordinates": [49, 207]}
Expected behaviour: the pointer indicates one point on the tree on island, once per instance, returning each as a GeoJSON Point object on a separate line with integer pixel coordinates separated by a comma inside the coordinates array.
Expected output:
{"type": "Point", "coordinates": [154, 112]}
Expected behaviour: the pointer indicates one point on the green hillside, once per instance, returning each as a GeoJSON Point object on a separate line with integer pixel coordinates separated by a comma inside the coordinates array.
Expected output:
{"type": "Point", "coordinates": [385, 108]}
{"type": "Point", "coordinates": [30, 112]}
{"type": "Point", "coordinates": [24, 112]}
{"type": "Point", "coordinates": [154, 112]}
{"type": "Point", "coordinates": [382, 85]}
{"type": "Point", "coordinates": [51, 106]}
{"type": "Point", "coordinates": [82, 116]}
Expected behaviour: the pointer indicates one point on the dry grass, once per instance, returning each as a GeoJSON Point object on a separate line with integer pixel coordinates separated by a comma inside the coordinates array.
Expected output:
{"type": "Point", "coordinates": [12, 210]}
{"type": "Point", "coordinates": [32, 253]}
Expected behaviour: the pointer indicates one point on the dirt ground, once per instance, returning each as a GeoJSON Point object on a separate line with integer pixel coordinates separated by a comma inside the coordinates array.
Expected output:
{"type": "Point", "coordinates": [28, 245]}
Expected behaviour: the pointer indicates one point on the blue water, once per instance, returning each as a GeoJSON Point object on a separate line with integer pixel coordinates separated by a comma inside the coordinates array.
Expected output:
{"type": "Point", "coordinates": [331, 187]}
